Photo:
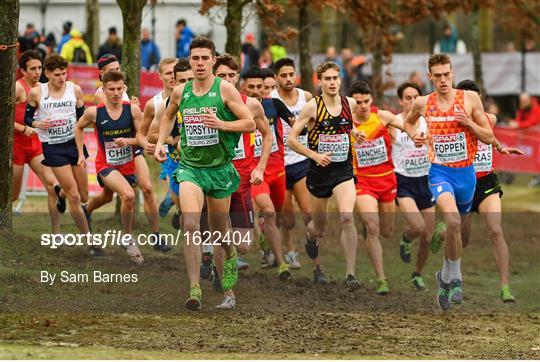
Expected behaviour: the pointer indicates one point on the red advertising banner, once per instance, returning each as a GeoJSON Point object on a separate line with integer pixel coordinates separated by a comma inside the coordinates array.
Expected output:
{"type": "Point", "coordinates": [87, 77]}
{"type": "Point", "coordinates": [527, 140]}
{"type": "Point", "coordinates": [34, 184]}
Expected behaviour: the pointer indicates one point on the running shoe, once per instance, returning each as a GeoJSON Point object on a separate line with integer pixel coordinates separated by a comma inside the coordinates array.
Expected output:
{"type": "Point", "coordinates": [418, 282]}
{"type": "Point", "coordinates": [230, 272]}
{"type": "Point", "coordinates": [206, 265]}
{"type": "Point", "coordinates": [228, 303]}
{"type": "Point", "coordinates": [268, 259]}
{"type": "Point", "coordinates": [175, 220]}
{"type": "Point", "coordinates": [291, 258]}
{"type": "Point", "coordinates": [165, 205]}
{"type": "Point", "coordinates": [241, 264]}
{"type": "Point", "coordinates": [352, 283]}
{"type": "Point", "coordinates": [283, 272]}
{"type": "Point", "coordinates": [442, 294]}
{"type": "Point", "coordinates": [88, 216]}
{"type": "Point", "coordinates": [216, 282]}
{"type": "Point", "coordinates": [405, 250]}
{"type": "Point", "coordinates": [60, 201]}
{"type": "Point", "coordinates": [455, 295]}
{"type": "Point", "coordinates": [319, 277]}
{"type": "Point", "coordinates": [133, 251]}
{"type": "Point", "coordinates": [97, 252]}
{"type": "Point", "coordinates": [194, 300]}
{"type": "Point", "coordinates": [436, 238]}
{"type": "Point", "coordinates": [506, 295]}
{"type": "Point", "coordinates": [382, 287]}
{"type": "Point", "coordinates": [312, 248]}
{"type": "Point", "coordinates": [161, 244]}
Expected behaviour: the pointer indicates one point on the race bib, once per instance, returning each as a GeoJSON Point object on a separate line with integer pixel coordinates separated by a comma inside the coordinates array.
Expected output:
{"type": "Point", "coordinates": [61, 131]}
{"type": "Point", "coordinates": [258, 142]}
{"type": "Point", "coordinates": [240, 151]}
{"type": "Point", "coordinates": [337, 145]}
{"type": "Point", "coordinates": [118, 155]}
{"type": "Point", "coordinates": [416, 162]}
{"type": "Point", "coordinates": [450, 148]}
{"type": "Point", "coordinates": [371, 153]}
{"type": "Point", "coordinates": [483, 161]}
{"type": "Point", "coordinates": [197, 134]}
{"type": "Point", "coordinates": [303, 139]}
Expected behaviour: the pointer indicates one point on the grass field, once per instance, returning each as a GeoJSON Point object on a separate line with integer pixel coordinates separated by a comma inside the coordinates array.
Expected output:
{"type": "Point", "coordinates": [273, 319]}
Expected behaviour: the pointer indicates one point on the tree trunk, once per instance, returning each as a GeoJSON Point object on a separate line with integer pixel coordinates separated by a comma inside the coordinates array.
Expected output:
{"type": "Point", "coordinates": [233, 24]}
{"type": "Point", "coordinates": [306, 69]}
{"type": "Point", "coordinates": [475, 48]}
{"type": "Point", "coordinates": [131, 47]}
{"type": "Point", "coordinates": [92, 26]}
{"type": "Point", "coordinates": [376, 67]}
{"type": "Point", "coordinates": [9, 20]}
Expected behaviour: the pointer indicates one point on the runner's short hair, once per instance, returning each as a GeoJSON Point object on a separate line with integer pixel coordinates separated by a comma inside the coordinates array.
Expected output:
{"type": "Point", "coordinates": [166, 61]}
{"type": "Point", "coordinates": [182, 65]}
{"type": "Point", "coordinates": [228, 61]}
{"type": "Point", "coordinates": [267, 73]}
{"type": "Point", "coordinates": [203, 42]}
{"type": "Point", "coordinates": [359, 87]}
{"type": "Point", "coordinates": [27, 56]}
{"type": "Point", "coordinates": [406, 85]}
{"type": "Point", "coordinates": [55, 61]}
{"type": "Point", "coordinates": [438, 59]}
{"type": "Point", "coordinates": [283, 62]}
{"type": "Point", "coordinates": [113, 76]}
{"type": "Point", "coordinates": [468, 84]}
{"type": "Point", "coordinates": [253, 72]}
{"type": "Point", "coordinates": [323, 67]}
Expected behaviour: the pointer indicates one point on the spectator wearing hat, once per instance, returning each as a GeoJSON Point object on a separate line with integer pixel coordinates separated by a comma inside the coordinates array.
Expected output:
{"type": "Point", "coordinates": [65, 36]}
{"type": "Point", "coordinates": [75, 50]}
{"type": "Point", "coordinates": [113, 45]}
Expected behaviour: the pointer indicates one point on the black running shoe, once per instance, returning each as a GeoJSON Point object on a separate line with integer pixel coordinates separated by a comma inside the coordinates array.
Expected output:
{"type": "Point", "coordinates": [405, 250]}
{"type": "Point", "coordinates": [97, 252]}
{"type": "Point", "coordinates": [216, 283]}
{"type": "Point", "coordinates": [206, 265]}
{"type": "Point", "coordinates": [352, 283]}
{"type": "Point", "coordinates": [161, 244]}
{"type": "Point", "coordinates": [60, 201]}
{"type": "Point", "coordinates": [88, 216]}
{"type": "Point", "coordinates": [175, 221]}
{"type": "Point", "coordinates": [312, 248]}
{"type": "Point", "coordinates": [319, 277]}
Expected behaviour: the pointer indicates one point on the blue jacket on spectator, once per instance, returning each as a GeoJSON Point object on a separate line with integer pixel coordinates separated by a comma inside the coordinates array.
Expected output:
{"type": "Point", "coordinates": [182, 45]}
{"type": "Point", "coordinates": [149, 54]}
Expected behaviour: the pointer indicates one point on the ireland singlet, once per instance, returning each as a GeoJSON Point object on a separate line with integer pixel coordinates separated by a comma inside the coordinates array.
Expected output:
{"type": "Point", "coordinates": [201, 146]}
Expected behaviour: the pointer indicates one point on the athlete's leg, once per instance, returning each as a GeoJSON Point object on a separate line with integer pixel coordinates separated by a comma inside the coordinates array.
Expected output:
{"type": "Point", "coordinates": [18, 172]}
{"type": "Point", "coordinates": [466, 229]}
{"type": "Point", "coordinates": [95, 202]}
{"type": "Point", "coordinates": [143, 180]}
{"type": "Point", "coordinates": [115, 182]}
{"type": "Point", "coordinates": [345, 197]}
{"type": "Point", "coordinates": [452, 219]}
{"type": "Point", "coordinates": [81, 177]}
{"type": "Point", "coordinates": [368, 206]}
{"type": "Point", "coordinates": [67, 179]}
{"type": "Point", "coordinates": [415, 226]}
{"type": "Point", "coordinates": [288, 221]}
{"type": "Point", "coordinates": [387, 211]}
{"type": "Point", "coordinates": [490, 209]}
{"type": "Point", "coordinates": [270, 229]}
{"type": "Point", "coordinates": [423, 249]}
{"type": "Point", "coordinates": [49, 181]}
{"type": "Point", "coordinates": [191, 206]}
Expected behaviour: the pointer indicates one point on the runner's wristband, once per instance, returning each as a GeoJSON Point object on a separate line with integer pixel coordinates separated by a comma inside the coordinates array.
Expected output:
{"type": "Point", "coordinates": [29, 114]}
{"type": "Point", "coordinates": [79, 111]}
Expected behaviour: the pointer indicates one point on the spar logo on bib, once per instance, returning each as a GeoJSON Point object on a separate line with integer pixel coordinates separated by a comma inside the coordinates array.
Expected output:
{"type": "Point", "coordinates": [450, 148]}
{"type": "Point", "coordinates": [197, 134]}
{"type": "Point", "coordinates": [371, 152]}
{"type": "Point", "coordinates": [337, 145]}
{"type": "Point", "coordinates": [60, 131]}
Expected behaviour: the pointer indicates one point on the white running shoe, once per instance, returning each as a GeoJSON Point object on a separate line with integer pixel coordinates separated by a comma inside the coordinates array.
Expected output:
{"type": "Point", "coordinates": [291, 258]}
{"type": "Point", "coordinates": [228, 303]}
{"type": "Point", "coordinates": [133, 251]}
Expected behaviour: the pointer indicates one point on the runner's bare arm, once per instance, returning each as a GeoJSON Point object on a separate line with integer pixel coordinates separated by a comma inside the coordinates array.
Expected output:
{"type": "Point", "coordinates": [31, 106]}
{"type": "Point", "coordinates": [308, 96]}
{"type": "Point", "coordinates": [142, 134]}
{"type": "Point", "coordinates": [307, 114]}
{"type": "Point", "coordinates": [136, 114]}
{"type": "Point", "coordinates": [262, 125]}
{"type": "Point", "coordinates": [411, 122]}
{"type": "Point", "coordinates": [79, 96]}
{"type": "Point", "coordinates": [153, 130]}
{"type": "Point", "coordinates": [233, 100]}
{"type": "Point", "coordinates": [479, 125]}
{"type": "Point", "coordinates": [504, 150]}
{"type": "Point", "coordinates": [390, 119]}
{"type": "Point", "coordinates": [166, 122]}
{"type": "Point", "coordinates": [20, 97]}
{"type": "Point", "coordinates": [88, 118]}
